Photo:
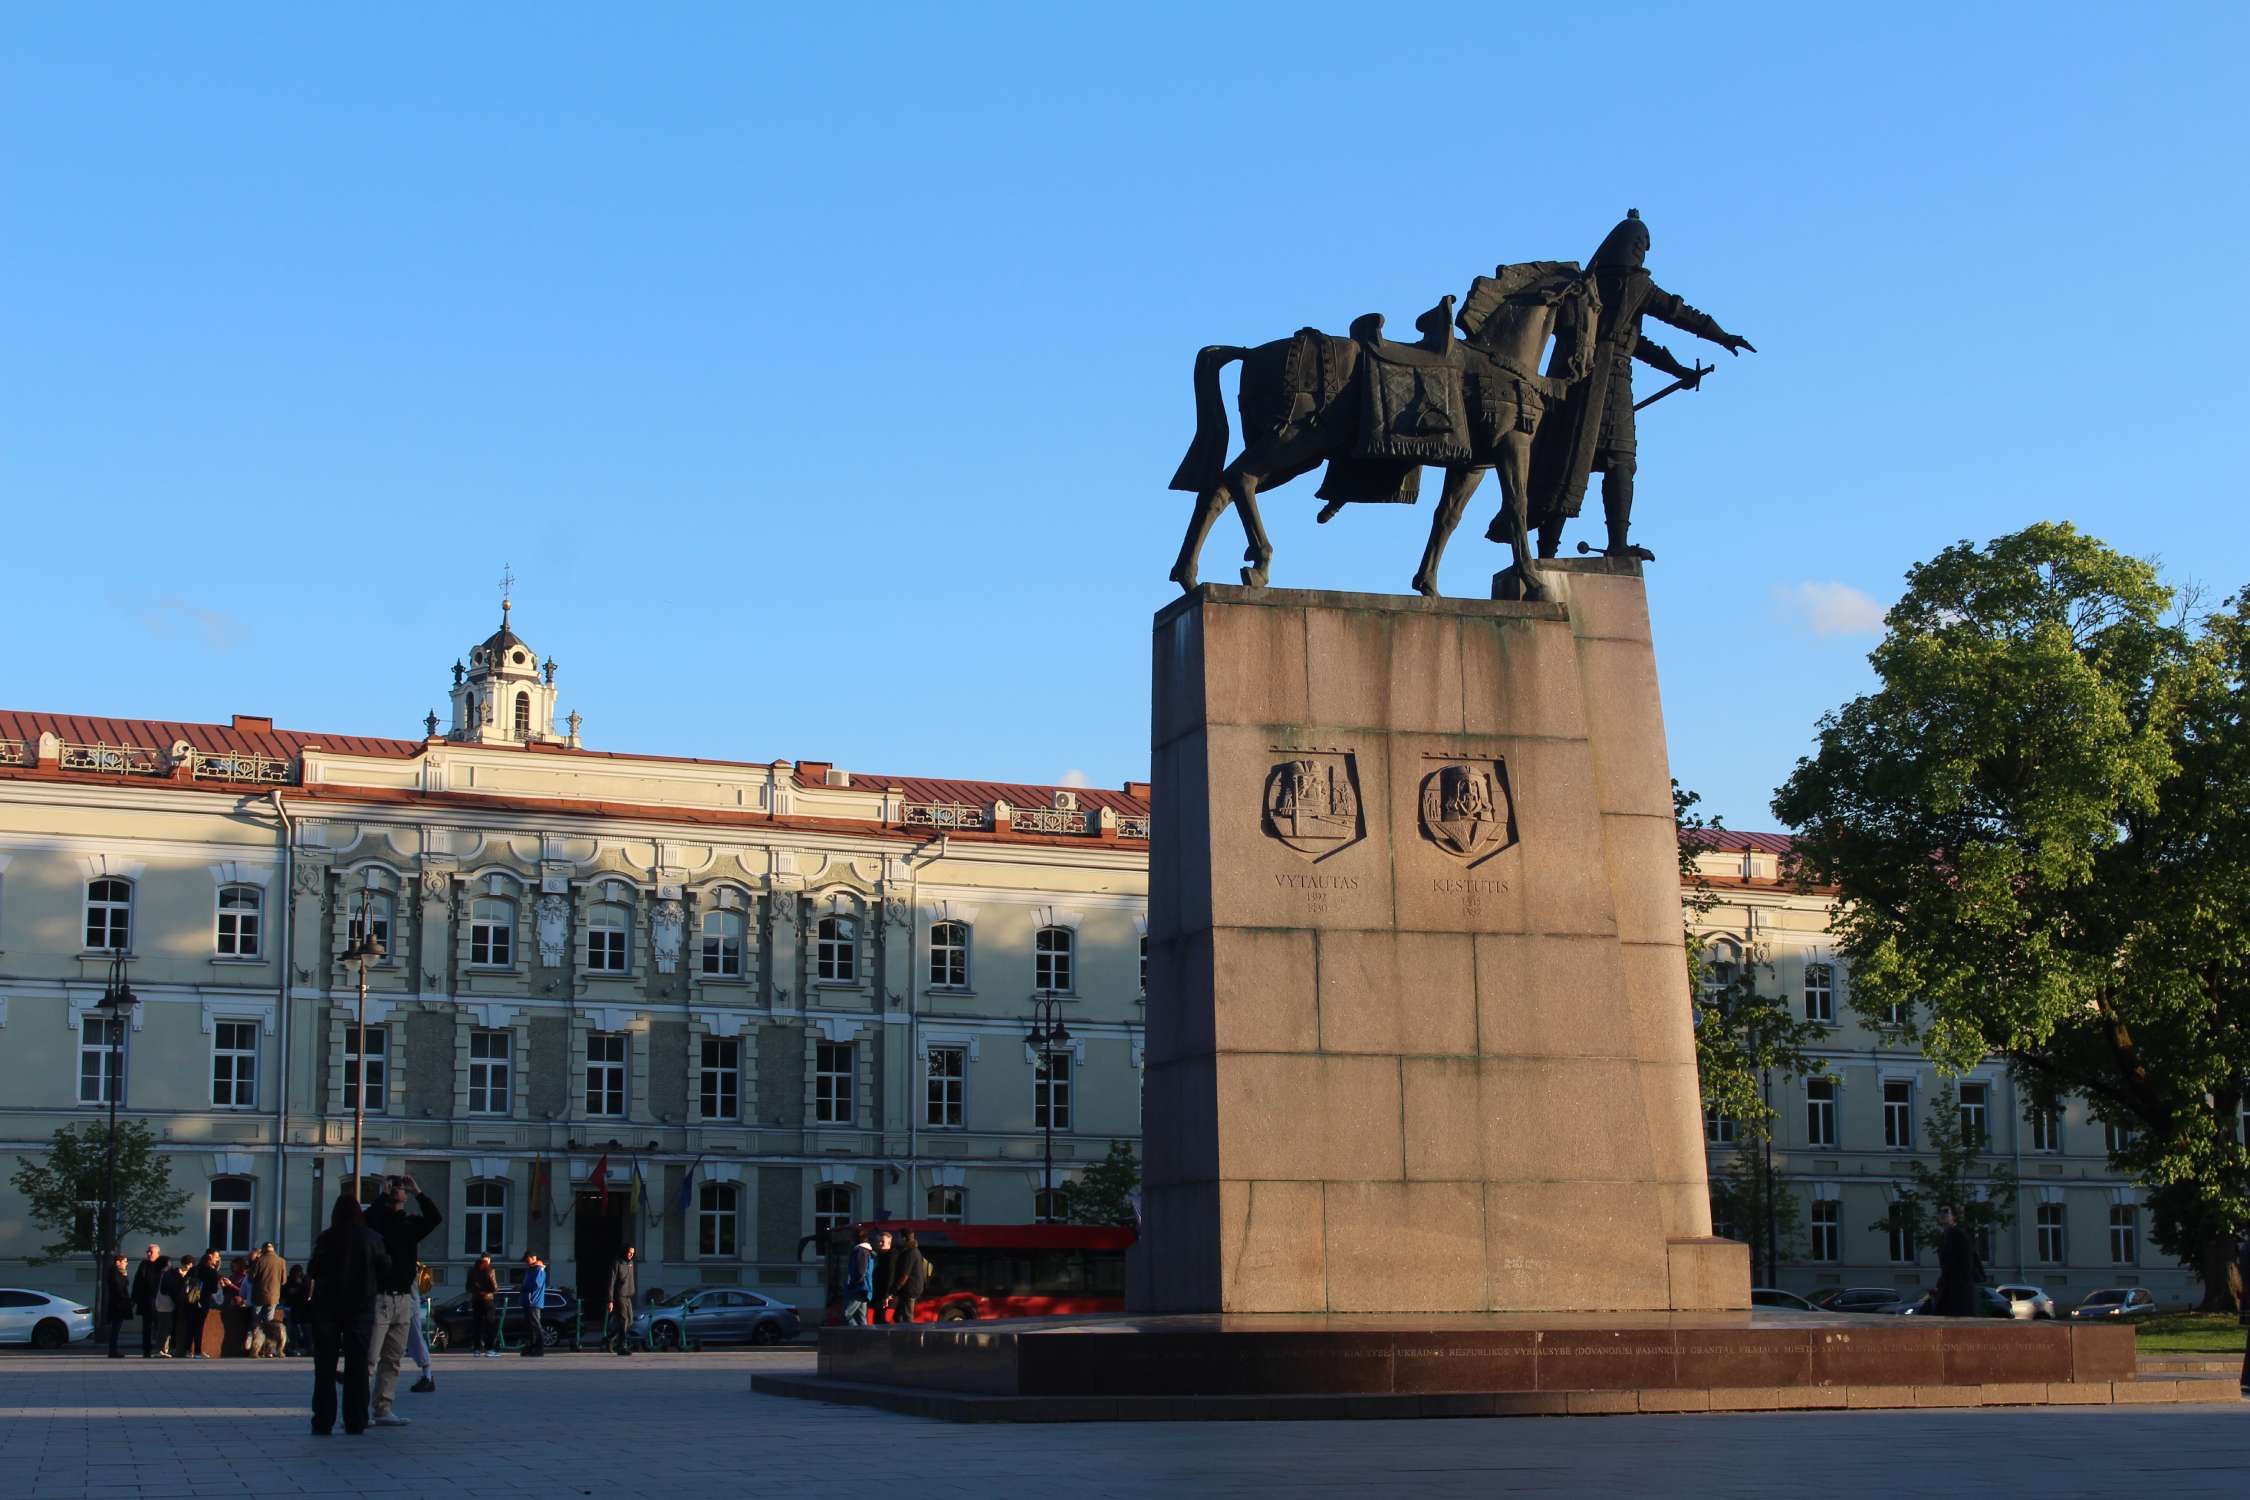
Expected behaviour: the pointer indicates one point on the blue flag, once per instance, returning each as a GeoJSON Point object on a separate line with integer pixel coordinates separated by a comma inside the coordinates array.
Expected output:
{"type": "Point", "coordinates": [687, 1188]}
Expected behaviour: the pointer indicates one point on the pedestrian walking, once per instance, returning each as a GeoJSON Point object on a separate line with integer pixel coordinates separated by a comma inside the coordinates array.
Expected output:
{"type": "Point", "coordinates": [484, 1297]}
{"type": "Point", "coordinates": [206, 1295]}
{"type": "Point", "coordinates": [117, 1296]}
{"type": "Point", "coordinates": [534, 1290]}
{"type": "Point", "coordinates": [859, 1283]}
{"type": "Point", "coordinates": [174, 1289]}
{"type": "Point", "coordinates": [1959, 1270]}
{"type": "Point", "coordinates": [624, 1284]}
{"type": "Point", "coordinates": [417, 1341]}
{"type": "Point", "coordinates": [879, 1309]}
{"type": "Point", "coordinates": [910, 1276]}
{"type": "Point", "coordinates": [348, 1264]}
{"type": "Point", "coordinates": [400, 1231]}
{"type": "Point", "coordinates": [296, 1312]}
{"type": "Point", "coordinates": [267, 1274]}
{"type": "Point", "coordinates": [148, 1289]}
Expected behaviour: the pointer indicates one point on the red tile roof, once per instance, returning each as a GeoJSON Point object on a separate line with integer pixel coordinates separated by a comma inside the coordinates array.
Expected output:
{"type": "Point", "coordinates": [1731, 841]}
{"type": "Point", "coordinates": [985, 793]}
{"type": "Point", "coordinates": [258, 738]}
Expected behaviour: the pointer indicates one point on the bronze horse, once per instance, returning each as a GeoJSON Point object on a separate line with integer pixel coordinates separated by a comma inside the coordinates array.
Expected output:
{"type": "Point", "coordinates": [1304, 401]}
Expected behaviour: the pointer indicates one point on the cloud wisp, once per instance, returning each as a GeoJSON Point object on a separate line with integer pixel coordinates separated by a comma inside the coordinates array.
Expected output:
{"type": "Point", "coordinates": [1830, 608]}
{"type": "Point", "coordinates": [168, 617]}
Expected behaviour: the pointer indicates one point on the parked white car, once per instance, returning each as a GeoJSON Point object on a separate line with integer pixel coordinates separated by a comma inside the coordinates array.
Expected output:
{"type": "Point", "coordinates": [2027, 1302]}
{"type": "Point", "coordinates": [40, 1320]}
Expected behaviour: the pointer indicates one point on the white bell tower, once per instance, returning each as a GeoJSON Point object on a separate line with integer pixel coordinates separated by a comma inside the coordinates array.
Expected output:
{"type": "Point", "coordinates": [505, 695]}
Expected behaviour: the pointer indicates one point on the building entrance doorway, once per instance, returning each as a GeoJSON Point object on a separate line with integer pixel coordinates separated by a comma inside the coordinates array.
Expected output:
{"type": "Point", "coordinates": [599, 1242]}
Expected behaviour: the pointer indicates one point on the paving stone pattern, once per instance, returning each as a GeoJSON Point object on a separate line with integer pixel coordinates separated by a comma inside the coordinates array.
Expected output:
{"type": "Point", "coordinates": [687, 1425]}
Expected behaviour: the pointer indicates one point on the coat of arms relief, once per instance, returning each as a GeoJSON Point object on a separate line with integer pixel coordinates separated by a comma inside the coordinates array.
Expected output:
{"type": "Point", "coordinates": [1466, 809]}
{"type": "Point", "coordinates": [1312, 802]}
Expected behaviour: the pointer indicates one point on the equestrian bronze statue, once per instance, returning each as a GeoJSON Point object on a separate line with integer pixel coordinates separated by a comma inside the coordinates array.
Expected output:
{"type": "Point", "coordinates": [1376, 411]}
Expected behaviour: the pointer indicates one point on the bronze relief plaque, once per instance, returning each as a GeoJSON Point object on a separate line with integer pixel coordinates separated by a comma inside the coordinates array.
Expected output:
{"type": "Point", "coordinates": [1312, 802]}
{"type": "Point", "coordinates": [1466, 807]}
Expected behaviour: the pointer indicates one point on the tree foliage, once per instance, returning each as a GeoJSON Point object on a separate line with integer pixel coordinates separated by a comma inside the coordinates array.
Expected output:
{"type": "Point", "coordinates": [1103, 1193]}
{"type": "Point", "coordinates": [63, 1193]}
{"type": "Point", "coordinates": [2039, 824]}
{"type": "Point", "coordinates": [1980, 1188]}
{"type": "Point", "coordinates": [1745, 1190]}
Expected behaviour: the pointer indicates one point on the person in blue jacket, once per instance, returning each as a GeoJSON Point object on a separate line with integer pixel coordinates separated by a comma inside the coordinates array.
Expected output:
{"type": "Point", "coordinates": [534, 1301]}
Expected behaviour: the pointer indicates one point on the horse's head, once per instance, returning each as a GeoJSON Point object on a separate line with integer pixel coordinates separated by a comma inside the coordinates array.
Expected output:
{"type": "Point", "coordinates": [1519, 287]}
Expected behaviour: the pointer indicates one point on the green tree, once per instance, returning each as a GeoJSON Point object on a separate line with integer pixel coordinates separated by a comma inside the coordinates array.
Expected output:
{"type": "Point", "coordinates": [63, 1193]}
{"type": "Point", "coordinates": [2039, 825]}
{"type": "Point", "coordinates": [1982, 1190]}
{"type": "Point", "coordinates": [1744, 1192]}
{"type": "Point", "coordinates": [1103, 1192]}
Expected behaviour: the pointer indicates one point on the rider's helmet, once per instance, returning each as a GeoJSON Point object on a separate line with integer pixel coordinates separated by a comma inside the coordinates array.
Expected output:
{"type": "Point", "coordinates": [1625, 248]}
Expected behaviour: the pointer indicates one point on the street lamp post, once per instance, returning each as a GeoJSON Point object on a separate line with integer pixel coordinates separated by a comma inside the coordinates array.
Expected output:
{"type": "Point", "coordinates": [1048, 1035]}
{"type": "Point", "coordinates": [118, 999]}
{"type": "Point", "coordinates": [366, 950]}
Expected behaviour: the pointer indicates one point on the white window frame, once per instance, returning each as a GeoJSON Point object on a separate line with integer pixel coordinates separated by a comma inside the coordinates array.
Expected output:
{"type": "Point", "coordinates": [1901, 1247]}
{"type": "Point", "coordinates": [494, 936]}
{"type": "Point", "coordinates": [2116, 1138]}
{"type": "Point", "coordinates": [2046, 1131]}
{"type": "Point", "coordinates": [1053, 1090]}
{"type": "Point", "coordinates": [238, 931]}
{"type": "Point", "coordinates": [1054, 961]}
{"type": "Point", "coordinates": [1047, 1206]}
{"type": "Point", "coordinates": [1976, 1113]}
{"type": "Point", "coordinates": [234, 1068]}
{"type": "Point", "coordinates": [1719, 1129]}
{"type": "Point", "coordinates": [380, 909]}
{"type": "Point", "coordinates": [719, 1077]}
{"type": "Point", "coordinates": [947, 1203]}
{"type": "Point", "coordinates": [1820, 993]}
{"type": "Point", "coordinates": [609, 939]}
{"type": "Point", "coordinates": [835, 951]}
{"type": "Point", "coordinates": [101, 1058]}
{"type": "Point", "coordinates": [834, 1083]}
{"type": "Point", "coordinates": [945, 1090]}
{"type": "Point", "coordinates": [718, 1221]}
{"type": "Point", "coordinates": [722, 947]}
{"type": "Point", "coordinates": [379, 1073]}
{"type": "Point", "coordinates": [1820, 1112]}
{"type": "Point", "coordinates": [492, 1079]}
{"type": "Point", "coordinates": [834, 1205]}
{"type": "Point", "coordinates": [1898, 1115]}
{"type": "Point", "coordinates": [609, 1061]}
{"type": "Point", "coordinates": [227, 1220]}
{"type": "Point", "coordinates": [484, 1217]}
{"type": "Point", "coordinates": [1827, 1220]}
{"type": "Point", "coordinates": [2051, 1240]}
{"type": "Point", "coordinates": [2124, 1234]}
{"type": "Point", "coordinates": [115, 914]}
{"type": "Point", "coordinates": [949, 958]}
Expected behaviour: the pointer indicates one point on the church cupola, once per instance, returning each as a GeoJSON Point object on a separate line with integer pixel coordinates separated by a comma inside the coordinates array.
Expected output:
{"type": "Point", "coordinates": [505, 695]}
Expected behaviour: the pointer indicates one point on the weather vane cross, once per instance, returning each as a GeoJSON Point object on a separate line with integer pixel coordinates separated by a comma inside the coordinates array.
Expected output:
{"type": "Point", "coordinates": [507, 585]}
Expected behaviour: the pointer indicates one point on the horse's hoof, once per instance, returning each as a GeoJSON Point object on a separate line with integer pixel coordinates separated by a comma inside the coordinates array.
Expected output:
{"type": "Point", "coordinates": [1329, 512]}
{"type": "Point", "coordinates": [1424, 587]}
{"type": "Point", "coordinates": [1254, 577]}
{"type": "Point", "coordinates": [1185, 578]}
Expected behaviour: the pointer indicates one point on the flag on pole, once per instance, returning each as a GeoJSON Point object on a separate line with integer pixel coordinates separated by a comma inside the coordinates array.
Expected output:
{"type": "Point", "coordinates": [598, 1179]}
{"type": "Point", "coordinates": [636, 1199]}
{"type": "Point", "coordinates": [687, 1188]}
{"type": "Point", "coordinates": [539, 1189]}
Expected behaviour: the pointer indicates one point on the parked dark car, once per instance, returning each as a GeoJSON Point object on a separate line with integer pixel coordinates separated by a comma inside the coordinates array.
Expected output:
{"type": "Point", "coordinates": [1858, 1299]}
{"type": "Point", "coordinates": [2117, 1302]}
{"type": "Point", "coordinates": [717, 1315]}
{"type": "Point", "coordinates": [1769, 1296]}
{"type": "Point", "coordinates": [1990, 1304]}
{"type": "Point", "coordinates": [453, 1325]}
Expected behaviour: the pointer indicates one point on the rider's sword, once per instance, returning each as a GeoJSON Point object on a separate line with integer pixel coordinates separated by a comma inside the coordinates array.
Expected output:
{"type": "Point", "coordinates": [1684, 383]}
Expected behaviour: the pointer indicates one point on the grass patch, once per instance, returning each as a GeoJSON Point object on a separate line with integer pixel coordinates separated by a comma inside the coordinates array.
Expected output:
{"type": "Point", "coordinates": [2190, 1333]}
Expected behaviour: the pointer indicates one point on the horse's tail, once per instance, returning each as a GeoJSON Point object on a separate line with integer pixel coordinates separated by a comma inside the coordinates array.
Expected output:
{"type": "Point", "coordinates": [1207, 455]}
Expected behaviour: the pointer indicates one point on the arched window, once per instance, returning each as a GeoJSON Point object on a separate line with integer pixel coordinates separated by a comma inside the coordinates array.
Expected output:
{"type": "Point", "coordinates": [1051, 960]}
{"type": "Point", "coordinates": [949, 956]}
{"type": "Point", "coordinates": [836, 959]}
{"type": "Point", "coordinates": [484, 1227]}
{"type": "Point", "coordinates": [109, 913]}
{"type": "Point", "coordinates": [230, 1216]}
{"type": "Point", "coordinates": [718, 1216]}
{"type": "Point", "coordinates": [722, 944]}
{"type": "Point", "coordinates": [1048, 1205]}
{"type": "Point", "coordinates": [831, 1206]}
{"type": "Point", "coordinates": [523, 716]}
{"type": "Point", "coordinates": [950, 1204]}
{"type": "Point", "coordinates": [492, 932]}
{"type": "Point", "coordinates": [607, 949]}
{"type": "Point", "coordinates": [240, 907]}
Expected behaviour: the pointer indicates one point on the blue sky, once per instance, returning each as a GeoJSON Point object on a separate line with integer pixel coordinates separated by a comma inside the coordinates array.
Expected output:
{"type": "Point", "coordinates": [820, 371]}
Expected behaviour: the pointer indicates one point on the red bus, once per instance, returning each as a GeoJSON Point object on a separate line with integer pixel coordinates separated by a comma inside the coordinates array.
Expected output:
{"type": "Point", "coordinates": [1001, 1270]}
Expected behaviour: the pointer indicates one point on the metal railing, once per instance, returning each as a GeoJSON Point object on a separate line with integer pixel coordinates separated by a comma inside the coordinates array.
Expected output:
{"type": "Point", "coordinates": [14, 753]}
{"type": "Point", "coordinates": [111, 760]}
{"type": "Point", "coordinates": [1132, 825]}
{"type": "Point", "coordinates": [240, 766]}
{"type": "Point", "coordinates": [1046, 820]}
{"type": "Point", "coordinates": [944, 815]}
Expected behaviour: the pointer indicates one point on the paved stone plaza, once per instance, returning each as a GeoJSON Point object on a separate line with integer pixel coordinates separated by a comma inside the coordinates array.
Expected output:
{"type": "Point", "coordinates": [679, 1426]}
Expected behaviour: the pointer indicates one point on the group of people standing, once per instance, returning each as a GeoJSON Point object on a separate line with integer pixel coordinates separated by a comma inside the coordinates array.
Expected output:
{"type": "Point", "coordinates": [366, 1308]}
{"type": "Point", "coordinates": [175, 1302]}
{"type": "Point", "coordinates": [883, 1282]}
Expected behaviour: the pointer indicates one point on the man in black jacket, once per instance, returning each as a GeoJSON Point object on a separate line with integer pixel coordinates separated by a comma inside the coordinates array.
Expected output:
{"type": "Point", "coordinates": [116, 1292]}
{"type": "Point", "coordinates": [624, 1283]}
{"type": "Point", "coordinates": [348, 1263]}
{"type": "Point", "coordinates": [148, 1283]}
{"type": "Point", "coordinates": [1959, 1270]}
{"type": "Point", "coordinates": [400, 1232]}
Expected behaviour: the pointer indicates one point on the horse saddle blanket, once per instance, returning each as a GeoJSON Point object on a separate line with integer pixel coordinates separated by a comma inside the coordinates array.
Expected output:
{"type": "Point", "coordinates": [1412, 406]}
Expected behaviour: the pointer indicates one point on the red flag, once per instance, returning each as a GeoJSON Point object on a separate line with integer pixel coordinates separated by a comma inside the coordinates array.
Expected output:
{"type": "Point", "coordinates": [598, 1179]}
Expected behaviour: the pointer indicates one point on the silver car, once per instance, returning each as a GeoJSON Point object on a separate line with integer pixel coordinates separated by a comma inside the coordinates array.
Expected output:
{"type": "Point", "coordinates": [716, 1315]}
{"type": "Point", "coordinates": [42, 1320]}
{"type": "Point", "coordinates": [2027, 1302]}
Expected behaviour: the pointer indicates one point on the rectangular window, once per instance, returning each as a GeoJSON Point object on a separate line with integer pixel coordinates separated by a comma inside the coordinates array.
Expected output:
{"type": "Point", "coordinates": [234, 1065]}
{"type": "Point", "coordinates": [1894, 1014]}
{"type": "Point", "coordinates": [949, 956]}
{"type": "Point", "coordinates": [100, 1060]}
{"type": "Point", "coordinates": [1975, 1127]}
{"type": "Point", "coordinates": [835, 952]}
{"type": "Point", "coordinates": [948, 1083]}
{"type": "Point", "coordinates": [492, 933]}
{"type": "Point", "coordinates": [1050, 1092]}
{"type": "Point", "coordinates": [489, 1083]}
{"type": "Point", "coordinates": [717, 1218]}
{"type": "Point", "coordinates": [2117, 1138]}
{"type": "Point", "coordinates": [2046, 1130]}
{"type": "Point", "coordinates": [721, 1083]}
{"type": "Point", "coordinates": [239, 909]}
{"type": "Point", "coordinates": [2049, 1224]}
{"type": "Point", "coordinates": [831, 1206]}
{"type": "Point", "coordinates": [375, 914]}
{"type": "Point", "coordinates": [377, 1064]}
{"type": "Point", "coordinates": [1820, 992]}
{"type": "Point", "coordinates": [229, 1220]}
{"type": "Point", "coordinates": [484, 1229]}
{"type": "Point", "coordinates": [949, 1205]}
{"type": "Point", "coordinates": [1718, 1129]}
{"type": "Point", "coordinates": [1898, 1114]}
{"type": "Point", "coordinates": [605, 940]}
{"type": "Point", "coordinates": [1051, 960]}
{"type": "Point", "coordinates": [1827, 1229]}
{"type": "Point", "coordinates": [2124, 1235]}
{"type": "Point", "coordinates": [722, 944]}
{"type": "Point", "coordinates": [1820, 1112]}
{"type": "Point", "coordinates": [1902, 1244]}
{"type": "Point", "coordinates": [109, 915]}
{"type": "Point", "coordinates": [832, 1083]}
{"type": "Point", "coordinates": [605, 1074]}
